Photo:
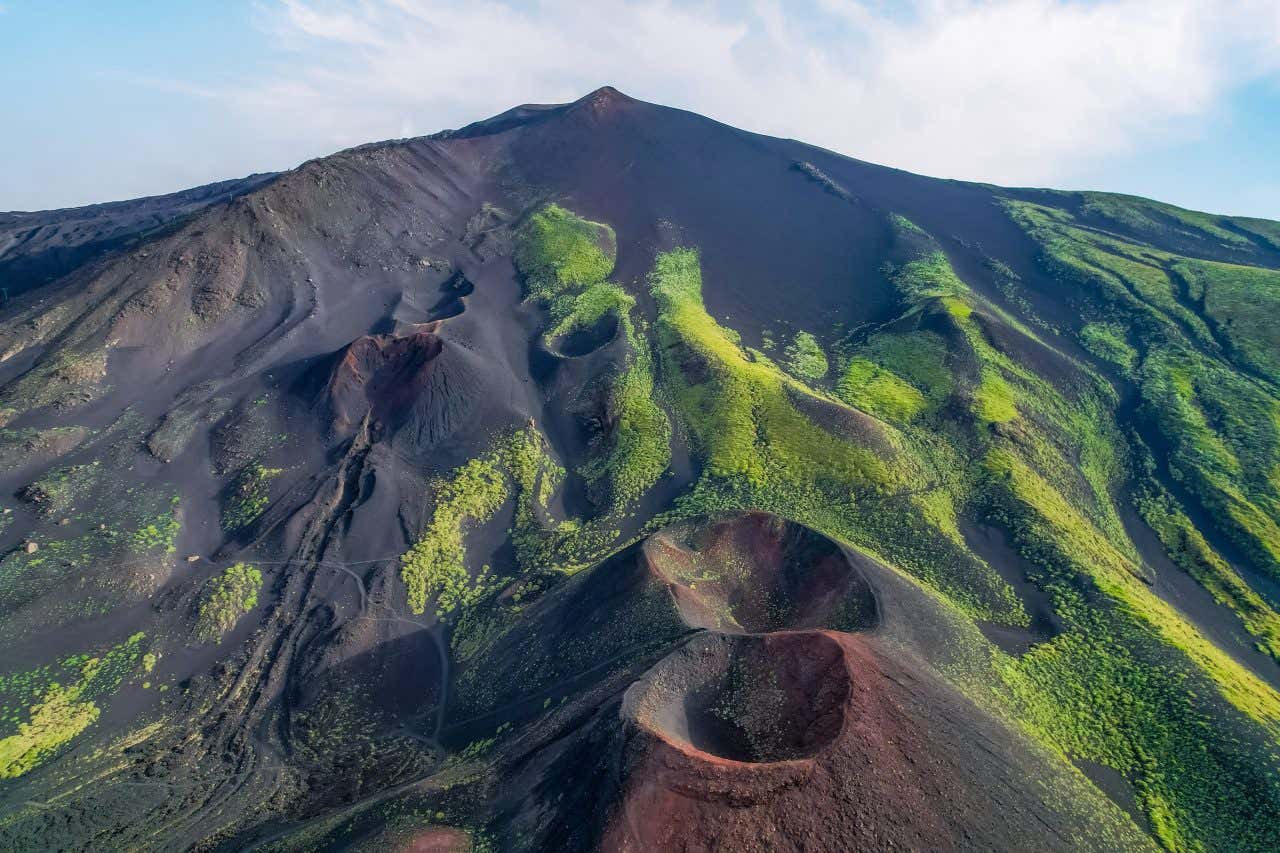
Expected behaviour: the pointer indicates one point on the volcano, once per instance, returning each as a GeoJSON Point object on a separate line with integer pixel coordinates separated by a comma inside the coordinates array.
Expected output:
{"type": "Point", "coordinates": [601, 477]}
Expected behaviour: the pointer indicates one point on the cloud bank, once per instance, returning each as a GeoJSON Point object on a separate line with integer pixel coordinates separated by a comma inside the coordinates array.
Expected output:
{"type": "Point", "coordinates": [1152, 96]}
{"type": "Point", "coordinates": [1008, 91]}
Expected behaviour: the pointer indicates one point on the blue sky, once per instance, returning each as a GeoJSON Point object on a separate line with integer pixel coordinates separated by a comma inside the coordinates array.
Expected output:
{"type": "Point", "coordinates": [1173, 99]}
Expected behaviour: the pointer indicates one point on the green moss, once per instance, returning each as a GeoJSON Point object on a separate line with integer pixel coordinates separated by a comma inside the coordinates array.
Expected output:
{"type": "Point", "coordinates": [873, 389]}
{"type": "Point", "coordinates": [1097, 700]}
{"type": "Point", "coordinates": [122, 544]}
{"type": "Point", "coordinates": [59, 491]}
{"type": "Point", "coordinates": [1154, 220]}
{"type": "Point", "coordinates": [159, 534]}
{"type": "Point", "coordinates": [1190, 550]}
{"type": "Point", "coordinates": [1123, 685]}
{"type": "Point", "coordinates": [433, 568]}
{"type": "Point", "coordinates": [19, 447]}
{"type": "Point", "coordinates": [1243, 303]}
{"type": "Point", "coordinates": [902, 223]}
{"type": "Point", "coordinates": [929, 277]}
{"type": "Point", "coordinates": [583, 310]}
{"type": "Point", "coordinates": [227, 597]}
{"type": "Point", "coordinates": [57, 718]}
{"type": "Point", "coordinates": [738, 406]}
{"type": "Point", "coordinates": [805, 358]}
{"type": "Point", "coordinates": [993, 399]}
{"type": "Point", "coordinates": [517, 466]}
{"type": "Point", "coordinates": [852, 480]}
{"type": "Point", "coordinates": [1108, 342]}
{"type": "Point", "coordinates": [63, 702]}
{"type": "Point", "coordinates": [1052, 523]}
{"type": "Point", "coordinates": [558, 251]}
{"type": "Point", "coordinates": [1126, 278]}
{"type": "Point", "coordinates": [1220, 425]}
{"type": "Point", "coordinates": [918, 357]}
{"type": "Point", "coordinates": [63, 379]}
{"type": "Point", "coordinates": [638, 440]}
{"type": "Point", "coordinates": [248, 495]}
{"type": "Point", "coordinates": [1266, 229]}
{"type": "Point", "coordinates": [564, 260]}
{"type": "Point", "coordinates": [1225, 444]}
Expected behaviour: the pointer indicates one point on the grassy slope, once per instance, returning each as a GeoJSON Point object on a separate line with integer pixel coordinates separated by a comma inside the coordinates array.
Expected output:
{"type": "Point", "coordinates": [1118, 686]}
{"type": "Point", "coordinates": [932, 421]}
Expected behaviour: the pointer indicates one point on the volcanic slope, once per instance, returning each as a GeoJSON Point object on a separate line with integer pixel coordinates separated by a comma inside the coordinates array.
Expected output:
{"type": "Point", "coordinates": [599, 476]}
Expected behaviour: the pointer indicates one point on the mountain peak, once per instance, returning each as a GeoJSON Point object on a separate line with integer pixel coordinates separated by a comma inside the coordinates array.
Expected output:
{"type": "Point", "coordinates": [603, 99]}
{"type": "Point", "coordinates": [606, 94]}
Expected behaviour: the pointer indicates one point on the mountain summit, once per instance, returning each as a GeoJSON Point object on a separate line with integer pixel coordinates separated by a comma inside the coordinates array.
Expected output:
{"type": "Point", "coordinates": [600, 476]}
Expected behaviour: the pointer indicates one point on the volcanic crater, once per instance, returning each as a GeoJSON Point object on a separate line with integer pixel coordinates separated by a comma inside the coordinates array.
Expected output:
{"type": "Point", "coordinates": [743, 706]}
{"type": "Point", "coordinates": [750, 699]}
{"type": "Point", "coordinates": [754, 572]}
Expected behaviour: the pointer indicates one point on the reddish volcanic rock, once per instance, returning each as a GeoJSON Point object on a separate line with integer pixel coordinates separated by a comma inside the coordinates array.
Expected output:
{"type": "Point", "coordinates": [744, 708]}
{"type": "Point", "coordinates": [757, 572]}
{"type": "Point", "coordinates": [438, 839]}
{"type": "Point", "coordinates": [382, 374]}
{"type": "Point", "coordinates": [859, 765]}
{"type": "Point", "coordinates": [418, 386]}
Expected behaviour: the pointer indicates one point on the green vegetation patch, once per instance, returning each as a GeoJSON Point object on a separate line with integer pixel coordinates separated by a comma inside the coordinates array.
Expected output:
{"type": "Point", "coordinates": [1109, 342]}
{"type": "Point", "coordinates": [871, 388]}
{"type": "Point", "coordinates": [565, 260]}
{"type": "Point", "coordinates": [63, 380]}
{"type": "Point", "coordinates": [918, 357]}
{"type": "Point", "coordinates": [433, 568]}
{"type": "Point", "coordinates": [1266, 229]}
{"type": "Point", "coordinates": [227, 597]}
{"type": "Point", "coordinates": [1154, 220]}
{"type": "Point", "coordinates": [585, 309]}
{"type": "Point", "coordinates": [1043, 519]}
{"type": "Point", "coordinates": [1225, 444]}
{"type": "Point", "coordinates": [23, 446]}
{"type": "Point", "coordinates": [638, 440]}
{"type": "Point", "coordinates": [113, 545]}
{"type": "Point", "coordinates": [736, 403]}
{"type": "Point", "coordinates": [931, 277]}
{"type": "Point", "coordinates": [248, 496]}
{"type": "Point", "coordinates": [46, 708]}
{"type": "Point", "coordinates": [1189, 549]}
{"type": "Point", "coordinates": [768, 442]}
{"type": "Point", "coordinates": [993, 399]}
{"type": "Point", "coordinates": [159, 534]}
{"type": "Point", "coordinates": [1124, 684]}
{"type": "Point", "coordinates": [1221, 426]}
{"type": "Point", "coordinates": [1244, 303]}
{"type": "Point", "coordinates": [517, 466]}
{"type": "Point", "coordinates": [57, 492]}
{"type": "Point", "coordinates": [805, 358]}
{"type": "Point", "coordinates": [558, 251]}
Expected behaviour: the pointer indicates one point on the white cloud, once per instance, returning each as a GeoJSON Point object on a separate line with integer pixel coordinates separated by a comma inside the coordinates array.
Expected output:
{"type": "Point", "coordinates": [1045, 92]}
{"type": "Point", "coordinates": [1011, 91]}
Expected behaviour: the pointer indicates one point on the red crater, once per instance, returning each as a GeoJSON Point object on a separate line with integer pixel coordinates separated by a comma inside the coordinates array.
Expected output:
{"type": "Point", "coordinates": [816, 741]}
{"type": "Point", "coordinates": [382, 374]}
{"type": "Point", "coordinates": [726, 699]}
{"type": "Point", "coordinates": [755, 572]}
{"type": "Point", "coordinates": [417, 386]}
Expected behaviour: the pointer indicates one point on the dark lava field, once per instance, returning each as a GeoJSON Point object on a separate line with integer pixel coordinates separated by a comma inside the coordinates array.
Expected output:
{"type": "Point", "coordinates": [602, 477]}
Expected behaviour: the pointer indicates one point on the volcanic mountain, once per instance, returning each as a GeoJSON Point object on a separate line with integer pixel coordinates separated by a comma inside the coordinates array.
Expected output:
{"type": "Point", "coordinates": [598, 476]}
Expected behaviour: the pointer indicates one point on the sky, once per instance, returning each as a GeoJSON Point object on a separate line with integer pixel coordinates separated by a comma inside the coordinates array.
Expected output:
{"type": "Point", "coordinates": [1177, 100]}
